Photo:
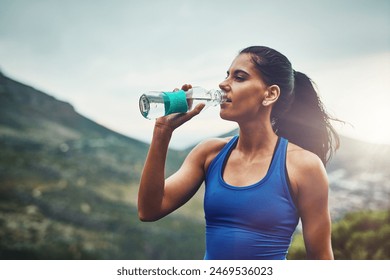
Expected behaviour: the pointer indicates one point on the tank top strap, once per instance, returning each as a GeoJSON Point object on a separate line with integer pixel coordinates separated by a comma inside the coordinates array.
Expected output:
{"type": "Point", "coordinates": [281, 151]}
{"type": "Point", "coordinates": [228, 146]}
{"type": "Point", "coordinates": [281, 162]}
{"type": "Point", "coordinates": [279, 155]}
{"type": "Point", "coordinates": [226, 149]}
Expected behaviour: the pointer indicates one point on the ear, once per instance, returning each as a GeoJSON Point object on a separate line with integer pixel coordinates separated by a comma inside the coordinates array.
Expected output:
{"type": "Point", "coordinates": [271, 95]}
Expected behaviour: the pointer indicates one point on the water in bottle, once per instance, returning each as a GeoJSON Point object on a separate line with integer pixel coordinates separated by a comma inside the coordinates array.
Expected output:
{"type": "Point", "coordinates": [156, 104]}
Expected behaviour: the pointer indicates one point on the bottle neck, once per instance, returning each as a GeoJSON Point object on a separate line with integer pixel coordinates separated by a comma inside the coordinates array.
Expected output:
{"type": "Point", "coordinates": [216, 96]}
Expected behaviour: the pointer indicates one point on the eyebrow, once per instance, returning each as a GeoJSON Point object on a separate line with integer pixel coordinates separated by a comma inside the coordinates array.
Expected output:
{"type": "Point", "coordinates": [238, 71]}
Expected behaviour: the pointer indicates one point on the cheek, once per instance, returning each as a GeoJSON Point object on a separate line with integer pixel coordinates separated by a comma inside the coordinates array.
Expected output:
{"type": "Point", "coordinates": [249, 92]}
{"type": "Point", "coordinates": [249, 102]}
{"type": "Point", "coordinates": [246, 103]}
{"type": "Point", "coordinates": [240, 110]}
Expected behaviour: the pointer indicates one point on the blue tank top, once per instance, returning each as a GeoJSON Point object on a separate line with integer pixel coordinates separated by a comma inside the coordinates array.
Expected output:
{"type": "Point", "coordinates": [249, 222]}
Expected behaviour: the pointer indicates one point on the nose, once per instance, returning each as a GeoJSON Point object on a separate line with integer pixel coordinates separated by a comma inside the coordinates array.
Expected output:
{"type": "Point", "coordinates": [224, 85]}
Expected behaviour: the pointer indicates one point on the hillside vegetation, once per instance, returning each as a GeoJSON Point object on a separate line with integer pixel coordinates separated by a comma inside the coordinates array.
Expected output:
{"type": "Point", "coordinates": [68, 187]}
{"type": "Point", "coordinates": [358, 236]}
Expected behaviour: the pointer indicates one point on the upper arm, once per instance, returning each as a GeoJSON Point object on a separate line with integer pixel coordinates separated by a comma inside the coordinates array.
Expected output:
{"type": "Point", "coordinates": [312, 196]}
{"type": "Point", "coordinates": [184, 183]}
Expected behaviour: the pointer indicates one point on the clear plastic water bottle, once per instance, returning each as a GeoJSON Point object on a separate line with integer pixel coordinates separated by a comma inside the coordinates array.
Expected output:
{"type": "Point", "coordinates": [155, 104]}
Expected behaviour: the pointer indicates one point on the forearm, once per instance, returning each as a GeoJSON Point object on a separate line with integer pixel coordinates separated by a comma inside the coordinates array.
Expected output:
{"type": "Point", "coordinates": [317, 236]}
{"type": "Point", "coordinates": [324, 254]}
{"type": "Point", "coordinates": [151, 203]}
{"type": "Point", "coordinates": [151, 189]}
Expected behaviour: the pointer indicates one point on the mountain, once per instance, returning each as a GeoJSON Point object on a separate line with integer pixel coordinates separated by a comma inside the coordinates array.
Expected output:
{"type": "Point", "coordinates": [68, 186]}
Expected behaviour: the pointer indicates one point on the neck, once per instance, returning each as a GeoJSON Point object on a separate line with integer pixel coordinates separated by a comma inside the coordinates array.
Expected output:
{"type": "Point", "coordinates": [256, 137]}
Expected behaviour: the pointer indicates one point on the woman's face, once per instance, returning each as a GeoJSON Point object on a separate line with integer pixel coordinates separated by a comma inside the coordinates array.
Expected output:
{"type": "Point", "coordinates": [245, 91]}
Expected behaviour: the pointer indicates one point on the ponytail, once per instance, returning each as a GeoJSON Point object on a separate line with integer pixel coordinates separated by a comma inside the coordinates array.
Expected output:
{"type": "Point", "coordinates": [306, 123]}
{"type": "Point", "coordinates": [298, 115]}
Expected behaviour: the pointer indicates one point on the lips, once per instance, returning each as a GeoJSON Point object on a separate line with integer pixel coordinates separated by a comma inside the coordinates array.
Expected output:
{"type": "Point", "coordinates": [225, 104]}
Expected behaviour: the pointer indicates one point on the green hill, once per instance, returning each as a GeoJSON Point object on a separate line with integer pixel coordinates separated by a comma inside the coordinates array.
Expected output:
{"type": "Point", "coordinates": [68, 187]}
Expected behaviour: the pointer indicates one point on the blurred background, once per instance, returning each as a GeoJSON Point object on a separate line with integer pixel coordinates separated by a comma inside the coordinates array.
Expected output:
{"type": "Point", "coordinates": [73, 143]}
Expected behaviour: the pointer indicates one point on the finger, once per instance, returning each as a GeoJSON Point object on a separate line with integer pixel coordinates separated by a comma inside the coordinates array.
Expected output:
{"type": "Point", "coordinates": [200, 107]}
{"type": "Point", "coordinates": [176, 120]}
{"type": "Point", "coordinates": [196, 110]}
{"type": "Point", "coordinates": [184, 117]}
{"type": "Point", "coordinates": [186, 87]}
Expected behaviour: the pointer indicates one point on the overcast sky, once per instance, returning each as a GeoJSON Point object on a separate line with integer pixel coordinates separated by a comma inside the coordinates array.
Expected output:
{"type": "Point", "coordinates": [102, 55]}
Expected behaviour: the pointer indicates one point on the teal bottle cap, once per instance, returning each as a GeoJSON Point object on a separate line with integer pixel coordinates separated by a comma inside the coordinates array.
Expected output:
{"type": "Point", "coordinates": [175, 102]}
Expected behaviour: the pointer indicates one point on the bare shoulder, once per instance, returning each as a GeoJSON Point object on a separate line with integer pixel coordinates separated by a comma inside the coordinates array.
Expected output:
{"type": "Point", "coordinates": [214, 143]}
{"type": "Point", "coordinates": [208, 149]}
{"type": "Point", "coordinates": [301, 158]}
{"type": "Point", "coordinates": [304, 167]}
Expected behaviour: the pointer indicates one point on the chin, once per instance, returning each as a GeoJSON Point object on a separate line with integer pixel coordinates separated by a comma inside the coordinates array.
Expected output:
{"type": "Point", "coordinates": [225, 116]}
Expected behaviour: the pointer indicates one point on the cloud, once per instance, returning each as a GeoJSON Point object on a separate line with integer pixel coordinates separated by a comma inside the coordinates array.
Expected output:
{"type": "Point", "coordinates": [98, 53]}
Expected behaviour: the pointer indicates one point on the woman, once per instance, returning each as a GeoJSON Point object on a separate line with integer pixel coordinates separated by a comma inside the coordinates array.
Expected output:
{"type": "Point", "coordinates": [259, 183]}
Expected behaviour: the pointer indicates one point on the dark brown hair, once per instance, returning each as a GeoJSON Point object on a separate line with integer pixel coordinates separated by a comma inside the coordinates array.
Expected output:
{"type": "Point", "coordinates": [299, 114]}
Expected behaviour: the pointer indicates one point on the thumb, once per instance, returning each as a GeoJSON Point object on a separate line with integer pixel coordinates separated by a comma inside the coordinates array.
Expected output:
{"type": "Point", "coordinates": [194, 111]}
{"type": "Point", "coordinates": [198, 108]}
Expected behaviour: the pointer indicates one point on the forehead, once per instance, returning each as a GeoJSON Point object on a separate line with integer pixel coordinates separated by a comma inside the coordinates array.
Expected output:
{"type": "Point", "coordinates": [243, 62]}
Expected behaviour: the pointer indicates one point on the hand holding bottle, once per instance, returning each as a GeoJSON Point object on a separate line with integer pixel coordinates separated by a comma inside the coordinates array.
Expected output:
{"type": "Point", "coordinates": [173, 121]}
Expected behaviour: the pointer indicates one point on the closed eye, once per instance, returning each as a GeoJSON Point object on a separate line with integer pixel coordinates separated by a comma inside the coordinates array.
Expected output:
{"type": "Point", "coordinates": [238, 75]}
{"type": "Point", "coordinates": [239, 78]}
